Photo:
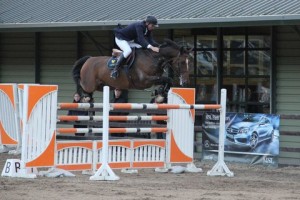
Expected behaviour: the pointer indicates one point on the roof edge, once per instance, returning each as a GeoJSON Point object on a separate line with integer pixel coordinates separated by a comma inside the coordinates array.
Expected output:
{"type": "Point", "coordinates": [164, 23]}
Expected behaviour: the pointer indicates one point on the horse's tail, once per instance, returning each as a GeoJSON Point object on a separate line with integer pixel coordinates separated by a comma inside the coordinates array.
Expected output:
{"type": "Point", "coordinates": [76, 72]}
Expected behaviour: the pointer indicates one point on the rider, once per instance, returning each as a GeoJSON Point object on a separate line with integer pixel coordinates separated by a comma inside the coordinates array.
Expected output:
{"type": "Point", "coordinates": [138, 34]}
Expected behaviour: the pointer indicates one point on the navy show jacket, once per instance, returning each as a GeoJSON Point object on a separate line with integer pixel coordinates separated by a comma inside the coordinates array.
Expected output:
{"type": "Point", "coordinates": [136, 31]}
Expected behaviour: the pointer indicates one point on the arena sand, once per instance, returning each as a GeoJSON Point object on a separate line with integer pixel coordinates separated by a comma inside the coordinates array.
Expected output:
{"type": "Point", "coordinates": [249, 182]}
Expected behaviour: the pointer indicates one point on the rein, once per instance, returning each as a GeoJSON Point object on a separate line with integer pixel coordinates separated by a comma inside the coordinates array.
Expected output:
{"type": "Point", "coordinates": [176, 70]}
{"type": "Point", "coordinates": [160, 61]}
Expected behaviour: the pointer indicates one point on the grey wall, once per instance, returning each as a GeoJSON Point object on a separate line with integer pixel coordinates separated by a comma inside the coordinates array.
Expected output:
{"type": "Point", "coordinates": [288, 92]}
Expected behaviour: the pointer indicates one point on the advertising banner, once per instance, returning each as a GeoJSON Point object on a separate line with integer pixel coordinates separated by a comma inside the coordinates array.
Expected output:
{"type": "Point", "coordinates": [249, 137]}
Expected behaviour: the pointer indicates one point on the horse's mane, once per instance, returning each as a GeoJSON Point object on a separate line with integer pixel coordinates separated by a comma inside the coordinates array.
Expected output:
{"type": "Point", "coordinates": [168, 42]}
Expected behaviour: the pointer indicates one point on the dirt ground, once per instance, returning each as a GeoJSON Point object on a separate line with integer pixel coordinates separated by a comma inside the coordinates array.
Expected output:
{"type": "Point", "coordinates": [249, 182]}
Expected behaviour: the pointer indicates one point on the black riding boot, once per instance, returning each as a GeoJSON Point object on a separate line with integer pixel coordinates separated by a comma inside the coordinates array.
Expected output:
{"type": "Point", "coordinates": [114, 74]}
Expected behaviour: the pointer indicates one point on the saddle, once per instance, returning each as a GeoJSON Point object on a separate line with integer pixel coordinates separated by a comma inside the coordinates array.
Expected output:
{"type": "Point", "coordinates": [114, 58]}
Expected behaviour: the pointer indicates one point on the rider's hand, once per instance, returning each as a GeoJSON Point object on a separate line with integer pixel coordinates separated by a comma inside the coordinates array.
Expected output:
{"type": "Point", "coordinates": [155, 49]}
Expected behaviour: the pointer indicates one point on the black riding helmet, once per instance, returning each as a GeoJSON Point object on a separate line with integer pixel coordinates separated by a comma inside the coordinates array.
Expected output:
{"type": "Point", "coordinates": [152, 20]}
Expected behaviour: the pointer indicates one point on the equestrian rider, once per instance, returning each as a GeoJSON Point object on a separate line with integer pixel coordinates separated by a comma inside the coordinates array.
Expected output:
{"type": "Point", "coordinates": [138, 34]}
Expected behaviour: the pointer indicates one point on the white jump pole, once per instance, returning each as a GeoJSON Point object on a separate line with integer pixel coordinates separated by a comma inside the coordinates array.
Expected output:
{"type": "Point", "coordinates": [220, 168]}
{"type": "Point", "coordinates": [105, 173]}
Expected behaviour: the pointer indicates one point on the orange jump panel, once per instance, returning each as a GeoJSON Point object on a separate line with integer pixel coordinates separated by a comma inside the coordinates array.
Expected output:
{"type": "Point", "coordinates": [5, 138]}
{"type": "Point", "coordinates": [75, 167]}
{"type": "Point", "coordinates": [161, 143]}
{"type": "Point", "coordinates": [176, 154]}
{"type": "Point", "coordinates": [117, 165]}
{"type": "Point", "coordinates": [148, 164]}
{"type": "Point", "coordinates": [88, 145]}
{"type": "Point", "coordinates": [47, 157]}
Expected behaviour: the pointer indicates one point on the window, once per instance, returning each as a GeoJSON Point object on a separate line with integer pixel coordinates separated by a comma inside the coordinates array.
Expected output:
{"type": "Point", "coordinates": [206, 59]}
{"type": "Point", "coordinates": [245, 68]}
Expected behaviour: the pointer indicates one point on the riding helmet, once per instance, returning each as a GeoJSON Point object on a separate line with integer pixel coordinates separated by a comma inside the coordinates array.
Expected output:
{"type": "Point", "coordinates": [152, 20]}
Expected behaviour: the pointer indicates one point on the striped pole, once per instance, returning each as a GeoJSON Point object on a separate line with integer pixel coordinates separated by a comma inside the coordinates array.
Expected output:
{"type": "Point", "coordinates": [79, 105]}
{"type": "Point", "coordinates": [110, 130]}
{"type": "Point", "coordinates": [136, 106]}
{"type": "Point", "coordinates": [129, 106]}
{"type": "Point", "coordinates": [113, 118]}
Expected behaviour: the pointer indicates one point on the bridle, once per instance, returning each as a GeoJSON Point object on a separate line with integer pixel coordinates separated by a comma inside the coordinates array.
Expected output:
{"type": "Point", "coordinates": [178, 69]}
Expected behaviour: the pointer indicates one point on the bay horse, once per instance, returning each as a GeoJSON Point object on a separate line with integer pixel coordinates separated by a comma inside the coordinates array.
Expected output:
{"type": "Point", "coordinates": [91, 73]}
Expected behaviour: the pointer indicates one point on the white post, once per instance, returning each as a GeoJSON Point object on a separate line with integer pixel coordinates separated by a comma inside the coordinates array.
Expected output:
{"type": "Point", "coordinates": [220, 168]}
{"type": "Point", "coordinates": [25, 134]}
{"type": "Point", "coordinates": [105, 173]}
{"type": "Point", "coordinates": [19, 147]}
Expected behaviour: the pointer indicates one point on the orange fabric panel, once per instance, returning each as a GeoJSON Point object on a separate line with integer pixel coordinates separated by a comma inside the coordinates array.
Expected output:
{"type": "Point", "coordinates": [88, 145]}
{"type": "Point", "coordinates": [117, 165]}
{"type": "Point", "coordinates": [177, 155]}
{"type": "Point", "coordinates": [137, 144]}
{"type": "Point", "coordinates": [36, 93]}
{"type": "Point", "coordinates": [5, 138]}
{"type": "Point", "coordinates": [8, 90]}
{"type": "Point", "coordinates": [188, 95]}
{"type": "Point", "coordinates": [75, 167]}
{"type": "Point", "coordinates": [46, 159]}
{"type": "Point", "coordinates": [148, 164]}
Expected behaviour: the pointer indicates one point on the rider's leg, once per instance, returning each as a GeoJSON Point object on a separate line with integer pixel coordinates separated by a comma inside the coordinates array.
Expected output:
{"type": "Point", "coordinates": [115, 72]}
{"type": "Point", "coordinates": [123, 44]}
{"type": "Point", "coordinates": [132, 44]}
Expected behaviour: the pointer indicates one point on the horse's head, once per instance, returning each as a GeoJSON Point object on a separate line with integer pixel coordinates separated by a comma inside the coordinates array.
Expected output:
{"type": "Point", "coordinates": [179, 59]}
{"type": "Point", "coordinates": [183, 66]}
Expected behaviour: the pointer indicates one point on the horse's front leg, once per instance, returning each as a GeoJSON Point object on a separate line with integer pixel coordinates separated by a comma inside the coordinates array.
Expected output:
{"type": "Point", "coordinates": [158, 80]}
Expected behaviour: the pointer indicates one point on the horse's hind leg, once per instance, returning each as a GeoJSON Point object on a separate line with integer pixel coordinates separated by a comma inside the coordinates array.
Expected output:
{"type": "Point", "coordinates": [88, 88]}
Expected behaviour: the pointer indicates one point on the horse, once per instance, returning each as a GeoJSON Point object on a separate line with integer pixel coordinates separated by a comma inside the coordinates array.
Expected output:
{"type": "Point", "coordinates": [92, 73]}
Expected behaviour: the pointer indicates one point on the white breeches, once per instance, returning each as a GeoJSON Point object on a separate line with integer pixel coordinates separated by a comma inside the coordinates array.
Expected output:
{"type": "Point", "coordinates": [125, 46]}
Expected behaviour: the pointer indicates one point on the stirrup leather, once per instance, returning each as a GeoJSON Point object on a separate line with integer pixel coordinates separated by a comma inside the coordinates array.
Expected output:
{"type": "Point", "coordinates": [114, 74]}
